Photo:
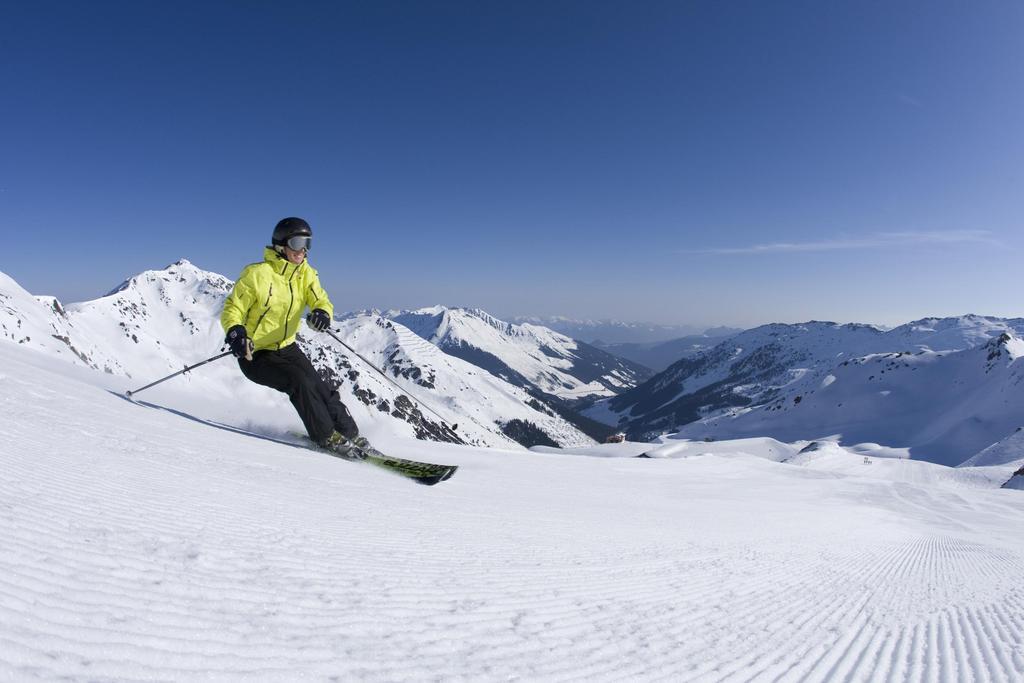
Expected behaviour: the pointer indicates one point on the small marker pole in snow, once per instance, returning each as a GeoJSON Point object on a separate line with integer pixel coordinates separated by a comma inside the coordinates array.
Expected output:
{"type": "Point", "coordinates": [129, 394]}
{"type": "Point", "coordinates": [400, 387]}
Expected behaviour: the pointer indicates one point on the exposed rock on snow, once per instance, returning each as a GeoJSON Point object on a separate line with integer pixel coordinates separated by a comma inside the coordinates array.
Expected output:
{"type": "Point", "coordinates": [1016, 481]}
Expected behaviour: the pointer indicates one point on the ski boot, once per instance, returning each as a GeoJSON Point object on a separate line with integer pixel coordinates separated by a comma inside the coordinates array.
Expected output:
{"type": "Point", "coordinates": [344, 447]}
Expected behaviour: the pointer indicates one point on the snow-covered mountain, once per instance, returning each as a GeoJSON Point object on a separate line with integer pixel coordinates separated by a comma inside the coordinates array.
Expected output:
{"type": "Point", "coordinates": [158, 321]}
{"type": "Point", "coordinates": [484, 406]}
{"type": "Point", "coordinates": [746, 369]}
{"type": "Point", "coordinates": [42, 323]}
{"type": "Point", "coordinates": [782, 380]}
{"type": "Point", "coordinates": [952, 334]}
{"type": "Point", "coordinates": [659, 355]}
{"type": "Point", "coordinates": [945, 407]}
{"type": "Point", "coordinates": [927, 386]}
{"type": "Point", "coordinates": [610, 331]}
{"type": "Point", "coordinates": [536, 358]}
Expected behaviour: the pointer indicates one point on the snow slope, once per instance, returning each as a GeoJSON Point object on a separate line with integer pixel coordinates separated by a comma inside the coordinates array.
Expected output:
{"type": "Point", "coordinates": [1007, 451]}
{"type": "Point", "coordinates": [890, 465]}
{"type": "Point", "coordinates": [138, 544]}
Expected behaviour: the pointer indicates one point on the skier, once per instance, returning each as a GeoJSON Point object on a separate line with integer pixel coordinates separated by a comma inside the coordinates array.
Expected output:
{"type": "Point", "coordinates": [261, 317]}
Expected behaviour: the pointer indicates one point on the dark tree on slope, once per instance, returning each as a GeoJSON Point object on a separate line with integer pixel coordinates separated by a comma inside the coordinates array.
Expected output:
{"type": "Point", "coordinates": [526, 433]}
{"type": "Point", "coordinates": [571, 413]}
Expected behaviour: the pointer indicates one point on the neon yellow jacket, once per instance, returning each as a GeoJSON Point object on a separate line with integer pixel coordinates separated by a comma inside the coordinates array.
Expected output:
{"type": "Point", "coordinates": [270, 297]}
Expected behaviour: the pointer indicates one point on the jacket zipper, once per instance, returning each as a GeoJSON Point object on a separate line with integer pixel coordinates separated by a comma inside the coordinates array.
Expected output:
{"type": "Point", "coordinates": [265, 311]}
{"type": "Point", "coordinates": [264, 315]}
{"type": "Point", "coordinates": [291, 301]}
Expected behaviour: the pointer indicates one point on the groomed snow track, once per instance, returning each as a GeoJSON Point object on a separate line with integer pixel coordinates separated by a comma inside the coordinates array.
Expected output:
{"type": "Point", "coordinates": [138, 545]}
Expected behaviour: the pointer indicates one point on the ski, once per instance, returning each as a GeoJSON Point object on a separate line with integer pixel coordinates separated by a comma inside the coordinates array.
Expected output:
{"type": "Point", "coordinates": [425, 473]}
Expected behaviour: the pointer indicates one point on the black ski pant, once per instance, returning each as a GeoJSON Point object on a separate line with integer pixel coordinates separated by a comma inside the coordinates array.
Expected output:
{"type": "Point", "coordinates": [319, 406]}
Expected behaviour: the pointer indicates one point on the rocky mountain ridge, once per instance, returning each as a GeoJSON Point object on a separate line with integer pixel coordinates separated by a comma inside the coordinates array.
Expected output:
{"type": "Point", "coordinates": [530, 356]}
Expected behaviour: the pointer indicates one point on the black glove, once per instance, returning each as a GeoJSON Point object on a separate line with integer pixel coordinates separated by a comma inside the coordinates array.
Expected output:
{"type": "Point", "coordinates": [239, 343]}
{"type": "Point", "coordinates": [318, 319]}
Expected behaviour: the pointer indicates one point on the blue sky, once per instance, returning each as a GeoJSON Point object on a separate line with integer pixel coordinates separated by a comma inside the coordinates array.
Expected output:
{"type": "Point", "coordinates": [673, 162]}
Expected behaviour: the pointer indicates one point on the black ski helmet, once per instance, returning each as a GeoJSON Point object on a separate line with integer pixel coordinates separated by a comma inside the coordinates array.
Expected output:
{"type": "Point", "coordinates": [290, 227]}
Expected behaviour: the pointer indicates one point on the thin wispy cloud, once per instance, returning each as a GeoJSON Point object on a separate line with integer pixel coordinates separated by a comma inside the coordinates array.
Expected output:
{"type": "Point", "coordinates": [910, 101]}
{"type": "Point", "coordinates": [885, 240]}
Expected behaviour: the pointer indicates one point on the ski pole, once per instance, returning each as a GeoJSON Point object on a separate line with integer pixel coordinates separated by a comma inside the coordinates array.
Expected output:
{"type": "Point", "coordinates": [400, 387]}
{"type": "Point", "coordinates": [129, 394]}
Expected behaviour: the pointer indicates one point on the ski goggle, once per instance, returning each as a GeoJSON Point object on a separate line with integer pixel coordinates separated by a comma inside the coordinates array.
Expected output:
{"type": "Point", "coordinates": [299, 243]}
